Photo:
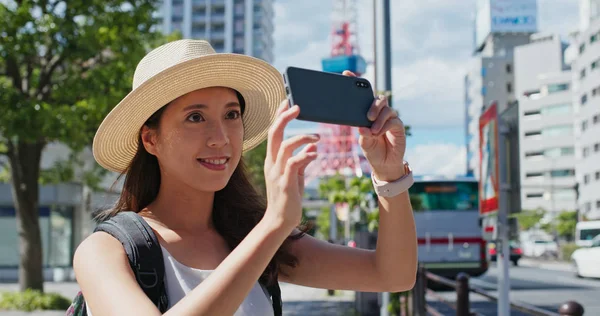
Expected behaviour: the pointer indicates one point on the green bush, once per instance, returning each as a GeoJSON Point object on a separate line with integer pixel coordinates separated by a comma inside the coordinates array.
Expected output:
{"type": "Point", "coordinates": [566, 250]}
{"type": "Point", "coordinates": [31, 300]}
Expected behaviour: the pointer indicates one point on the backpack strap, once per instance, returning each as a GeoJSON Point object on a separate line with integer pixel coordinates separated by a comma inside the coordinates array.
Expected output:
{"type": "Point", "coordinates": [139, 241]}
{"type": "Point", "coordinates": [275, 293]}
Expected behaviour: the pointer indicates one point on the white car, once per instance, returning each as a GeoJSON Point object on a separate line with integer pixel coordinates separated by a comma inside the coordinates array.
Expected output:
{"type": "Point", "coordinates": [540, 248]}
{"type": "Point", "coordinates": [587, 260]}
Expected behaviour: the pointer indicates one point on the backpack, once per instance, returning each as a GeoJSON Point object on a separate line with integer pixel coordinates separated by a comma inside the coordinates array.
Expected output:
{"type": "Point", "coordinates": [139, 241]}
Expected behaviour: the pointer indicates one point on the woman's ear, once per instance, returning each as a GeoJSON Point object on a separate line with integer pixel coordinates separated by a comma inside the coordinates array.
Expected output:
{"type": "Point", "coordinates": [148, 136]}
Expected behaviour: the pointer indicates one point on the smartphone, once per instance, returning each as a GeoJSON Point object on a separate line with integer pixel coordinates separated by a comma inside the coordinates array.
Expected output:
{"type": "Point", "coordinates": [326, 97]}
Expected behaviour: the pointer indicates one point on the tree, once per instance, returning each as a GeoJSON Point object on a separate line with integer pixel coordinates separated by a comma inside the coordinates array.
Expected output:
{"type": "Point", "coordinates": [565, 224]}
{"type": "Point", "coordinates": [255, 162]}
{"type": "Point", "coordinates": [63, 66]}
{"type": "Point", "coordinates": [529, 218]}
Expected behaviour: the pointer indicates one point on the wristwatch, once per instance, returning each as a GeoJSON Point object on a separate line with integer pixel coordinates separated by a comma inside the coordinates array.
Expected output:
{"type": "Point", "coordinates": [390, 189]}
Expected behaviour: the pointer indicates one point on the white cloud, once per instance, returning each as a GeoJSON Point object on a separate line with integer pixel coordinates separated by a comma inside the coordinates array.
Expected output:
{"type": "Point", "coordinates": [432, 43]}
{"type": "Point", "coordinates": [437, 159]}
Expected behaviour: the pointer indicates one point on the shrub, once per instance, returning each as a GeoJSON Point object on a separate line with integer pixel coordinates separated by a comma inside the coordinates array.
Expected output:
{"type": "Point", "coordinates": [566, 250]}
{"type": "Point", "coordinates": [31, 300]}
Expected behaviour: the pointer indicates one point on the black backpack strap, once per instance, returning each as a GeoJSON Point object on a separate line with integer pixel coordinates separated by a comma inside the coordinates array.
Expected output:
{"type": "Point", "coordinates": [275, 293]}
{"type": "Point", "coordinates": [144, 253]}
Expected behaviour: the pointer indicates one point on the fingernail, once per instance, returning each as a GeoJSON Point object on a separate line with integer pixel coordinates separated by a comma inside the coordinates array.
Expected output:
{"type": "Point", "coordinates": [315, 135]}
{"type": "Point", "coordinates": [371, 115]}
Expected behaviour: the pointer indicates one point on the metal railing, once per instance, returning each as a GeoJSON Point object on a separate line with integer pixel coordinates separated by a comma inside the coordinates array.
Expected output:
{"type": "Point", "coordinates": [462, 305]}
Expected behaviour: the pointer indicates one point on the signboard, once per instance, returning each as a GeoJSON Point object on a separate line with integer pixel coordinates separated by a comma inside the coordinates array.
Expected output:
{"type": "Point", "coordinates": [488, 166]}
{"type": "Point", "coordinates": [505, 16]}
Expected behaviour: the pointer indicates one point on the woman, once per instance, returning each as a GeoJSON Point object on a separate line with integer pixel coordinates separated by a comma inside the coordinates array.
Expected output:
{"type": "Point", "coordinates": [178, 137]}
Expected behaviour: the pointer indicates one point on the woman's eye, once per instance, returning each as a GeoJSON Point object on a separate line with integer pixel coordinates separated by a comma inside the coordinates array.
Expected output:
{"type": "Point", "coordinates": [195, 117]}
{"type": "Point", "coordinates": [233, 115]}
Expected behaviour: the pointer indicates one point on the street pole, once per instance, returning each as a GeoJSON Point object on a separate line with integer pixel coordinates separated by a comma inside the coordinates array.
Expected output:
{"type": "Point", "coordinates": [503, 210]}
{"type": "Point", "coordinates": [382, 20]}
{"type": "Point", "coordinates": [375, 46]}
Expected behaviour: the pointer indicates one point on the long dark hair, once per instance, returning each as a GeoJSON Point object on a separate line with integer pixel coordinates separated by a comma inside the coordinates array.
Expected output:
{"type": "Point", "coordinates": [237, 208]}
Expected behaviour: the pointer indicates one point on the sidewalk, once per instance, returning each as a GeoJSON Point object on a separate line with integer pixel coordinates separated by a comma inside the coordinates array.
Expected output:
{"type": "Point", "coordinates": [297, 300]}
{"type": "Point", "coordinates": [547, 265]}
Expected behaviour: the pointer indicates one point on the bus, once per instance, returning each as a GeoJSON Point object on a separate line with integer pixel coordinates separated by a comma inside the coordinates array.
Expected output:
{"type": "Point", "coordinates": [585, 232]}
{"type": "Point", "coordinates": [446, 212]}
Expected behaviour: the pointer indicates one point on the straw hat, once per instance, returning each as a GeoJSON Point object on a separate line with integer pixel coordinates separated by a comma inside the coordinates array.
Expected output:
{"type": "Point", "coordinates": [175, 69]}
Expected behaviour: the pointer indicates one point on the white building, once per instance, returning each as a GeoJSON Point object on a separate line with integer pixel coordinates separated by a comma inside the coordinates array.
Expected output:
{"type": "Point", "coordinates": [546, 122]}
{"type": "Point", "coordinates": [233, 26]}
{"type": "Point", "coordinates": [586, 83]}
{"type": "Point", "coordinates": [499, 26]}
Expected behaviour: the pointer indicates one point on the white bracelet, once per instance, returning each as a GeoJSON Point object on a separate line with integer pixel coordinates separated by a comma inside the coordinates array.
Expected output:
{"type": "Point", "coordinates": [390, 189]}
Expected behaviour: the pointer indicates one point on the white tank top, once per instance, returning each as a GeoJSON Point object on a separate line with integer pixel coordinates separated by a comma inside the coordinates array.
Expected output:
{"type": "Point", "coordinates": [181, 279]}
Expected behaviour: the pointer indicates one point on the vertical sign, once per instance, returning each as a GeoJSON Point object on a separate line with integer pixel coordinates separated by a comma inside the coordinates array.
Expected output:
{"type": "Point", "coordinates": [488, 166]}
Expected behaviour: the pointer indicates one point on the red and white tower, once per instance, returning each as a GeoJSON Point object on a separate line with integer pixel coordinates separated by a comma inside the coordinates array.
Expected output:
{"type": "Point", "coordinates": [338, 148]}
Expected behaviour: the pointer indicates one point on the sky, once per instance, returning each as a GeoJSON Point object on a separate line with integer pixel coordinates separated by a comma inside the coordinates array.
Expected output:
{"type": "Point", "coordinates": [432, 44]}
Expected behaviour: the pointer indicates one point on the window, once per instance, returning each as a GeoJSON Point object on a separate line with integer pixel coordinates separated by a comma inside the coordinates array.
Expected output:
{"type": "Point", "coordinates": [560, 152]}
{"type": "Point", "coordinates": [239, 26]}
{"type": "Point", "coordinates": [239, 43]}
{"type": "Point", "coordinates": [508, 68]}
{"type": "Point", "coordinates": [533, 113]}
{"type": "Point", "coordinates": [508, 87]}
{"type": "Point", "coordinates": [595, 64]}
{"type": "Point", "coordinates": [559, 130]}
{"type": "Point", "coordinates": [583, 99]}
{"type": "Point", "coordinates": [239, 9]}
{"type": "Point", "coordinates": [594, 38]}
{"type": "Point", "coordinates": [588, 207]}
{"type": "Point", "coordinates": [564, 108]}
{"type": "Point", "coordinates": [581, 48]}
{"type": "Point", "coordinates": [598, 204]}
{"type": "Point", "coordinates": [535, 195]}
{"type": "Point", "coordinates": [533, 154]}
{"type": "Point", "coordinates": [534, 174]}
{"type": "Point", "coordinates": [584, 125]}
{"type": "Point", "coordinates": [446, 196]}
{"type": "Point", "coordinates": [582, 74]}
{"type": "Point", "coordinates": [558, 87]}
{"type": "Point", "coordinates": [595, 91]}
{"type": "Point", "coordinates": [562, 173]}
{"type": "Point", "coordinates": [586, 152]}
{"type": "Point", "coordinates": [586, 179]}
{"type": "Point", "coordinates": [597, 147]}
{"type": "Point", "coordinates": [597, 175]}
{"type": "Point", "coordinates": [596, 118]}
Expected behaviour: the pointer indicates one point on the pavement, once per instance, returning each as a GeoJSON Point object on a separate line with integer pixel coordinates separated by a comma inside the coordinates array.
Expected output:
{"type": "Point", "coordinates": [297, 300]}
{"type": "Point", "coordinates": [545, 285]}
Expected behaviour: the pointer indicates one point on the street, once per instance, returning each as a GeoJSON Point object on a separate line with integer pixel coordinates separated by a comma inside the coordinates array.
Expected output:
{"type": "Point", "coordinates": [545, 288]}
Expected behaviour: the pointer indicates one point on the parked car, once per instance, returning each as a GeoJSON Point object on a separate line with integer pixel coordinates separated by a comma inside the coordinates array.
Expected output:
{"type": "Point", "coordinates": [515, 251]}
{"type": "Point", "coordinates": [540, 248]}
{"type": "Point", "coordinates": [586, 260]}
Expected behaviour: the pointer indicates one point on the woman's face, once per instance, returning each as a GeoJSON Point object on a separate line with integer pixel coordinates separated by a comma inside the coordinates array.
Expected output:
{"type": "Point", "coordinates": [199, 140]}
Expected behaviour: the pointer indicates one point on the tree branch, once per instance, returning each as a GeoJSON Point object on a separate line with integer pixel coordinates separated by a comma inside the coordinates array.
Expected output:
{"type": "Point", "coordinates": [46, 75]}
{"type": "Point", "coordinates": [12, 69]}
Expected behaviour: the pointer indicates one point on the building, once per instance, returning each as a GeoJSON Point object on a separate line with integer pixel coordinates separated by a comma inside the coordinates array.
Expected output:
{"type": "Point", "coordinates": [233, 26]}
{"type": "Point", "coordinates": [499, 26]}
{"type": "Point", "coordinates": [546, 123]}
{"type": "Point", "coordinates": [586, 97]}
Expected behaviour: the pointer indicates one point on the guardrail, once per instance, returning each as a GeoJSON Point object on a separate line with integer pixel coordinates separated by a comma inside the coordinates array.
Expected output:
{"type": "Point", "coordinates": [463, 305]}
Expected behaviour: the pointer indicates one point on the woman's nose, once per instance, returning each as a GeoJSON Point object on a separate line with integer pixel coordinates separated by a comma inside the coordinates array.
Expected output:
{"type": "Point", "coordinates": [218, 136]}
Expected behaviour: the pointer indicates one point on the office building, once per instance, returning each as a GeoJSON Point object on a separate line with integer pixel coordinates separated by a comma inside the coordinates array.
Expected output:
{"type": "Point", "coordinates": [499, 26]}
{"type": "Point", "coordinates": [586, 83]}
{"type": "Point", "coordinates": [546, 122]}
{"type": "Point", "coordinates": [238, 26]}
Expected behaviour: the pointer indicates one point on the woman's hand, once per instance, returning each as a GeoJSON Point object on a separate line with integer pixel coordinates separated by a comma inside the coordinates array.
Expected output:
{"type": "Point", "coordinates": [284, 172]}
{"type": "Point", "coordinates": [384, 144]}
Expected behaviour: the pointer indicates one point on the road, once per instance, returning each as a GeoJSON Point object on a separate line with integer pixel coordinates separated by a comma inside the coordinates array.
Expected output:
{"type": "Point", "coordinates": [545, 288]}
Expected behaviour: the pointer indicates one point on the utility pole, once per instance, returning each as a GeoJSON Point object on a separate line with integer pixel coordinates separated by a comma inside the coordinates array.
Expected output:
{"type": "Point", "coordinates": [503, 210]}
{"type": "Point", "coordinates": [383, 29]}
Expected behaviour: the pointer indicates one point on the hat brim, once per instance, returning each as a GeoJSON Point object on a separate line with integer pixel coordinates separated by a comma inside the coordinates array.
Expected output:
{"type": "Point", "coordinates": [261, 85]}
